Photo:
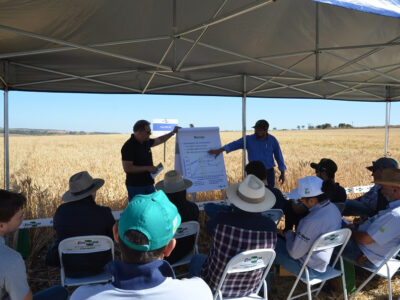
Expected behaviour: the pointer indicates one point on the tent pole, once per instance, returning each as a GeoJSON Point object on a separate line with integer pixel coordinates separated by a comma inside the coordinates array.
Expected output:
{"type": "Point", "coordinates": [244, 124]}
{"type": "Point", "coordinates": [6, 150]}
{"type": "Point", "coordinates": [387, 120]}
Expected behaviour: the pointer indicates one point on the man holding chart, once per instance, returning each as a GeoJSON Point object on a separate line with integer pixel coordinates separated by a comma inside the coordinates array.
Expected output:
{"type": "Point", "coordinates": [260, 146]}
{"type": "Point", "coordinates": [137, 159]}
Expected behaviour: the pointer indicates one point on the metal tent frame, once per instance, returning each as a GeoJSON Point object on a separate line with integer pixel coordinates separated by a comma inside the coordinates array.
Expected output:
{"type": "Point", "coordinates": [241, 48]}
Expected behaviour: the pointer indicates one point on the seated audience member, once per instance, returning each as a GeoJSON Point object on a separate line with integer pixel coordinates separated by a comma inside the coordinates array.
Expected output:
{"type": "Point", "coordinates": [373, 240]}
{"type": "Point", "coordinates": [243, 228]}
{"type": "Point", "coordinates": [325, 169]}
{"type": "Point", "coordinates": [13, 280]}
{"type": "Point", "coordinates": [80, 215]}
{"type": "Point", "coordinates": [257, 169]}
{"type": "Point", "coordinates": [145, 234]}
{"type": "Point", "coordinates": [174, 186]}
{"type": "Point", "coordinates": [373, 201]}
{"type": "Point", "coordinates": [322, 218]}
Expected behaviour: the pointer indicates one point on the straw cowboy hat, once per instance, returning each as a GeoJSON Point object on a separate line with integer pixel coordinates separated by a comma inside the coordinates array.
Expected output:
{"type": "Point", "coordinates": [173, 182]}
{"type": "Point", "coordinates": [251, 195]}
{"type": "Point", "coordinates": [389, 177]}
{"type": "Point", "coordinates": [81, 185]}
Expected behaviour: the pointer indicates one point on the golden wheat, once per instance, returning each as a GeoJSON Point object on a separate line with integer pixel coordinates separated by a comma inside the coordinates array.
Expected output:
{"type": "Point", "coordinates": [45, 163]}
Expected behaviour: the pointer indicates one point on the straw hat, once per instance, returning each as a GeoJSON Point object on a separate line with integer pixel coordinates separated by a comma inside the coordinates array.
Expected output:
{"type": "Point", "coordinates": [173, 182]}
{"type": "Point", "coordinates": [389, 177]}
{"type": "Point", "coordinates": [81, 185]}
{"type": "Point", "coordinates": [251, 195]}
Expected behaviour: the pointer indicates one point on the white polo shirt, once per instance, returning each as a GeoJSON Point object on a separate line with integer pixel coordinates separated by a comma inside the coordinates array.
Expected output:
{"type": "Point", "coordinates": [384, 229]}
{"type": "Point", "coordinates": [322, 218]}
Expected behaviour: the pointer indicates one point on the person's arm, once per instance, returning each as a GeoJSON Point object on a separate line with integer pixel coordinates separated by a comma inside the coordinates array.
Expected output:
{"type": "Point", "coordinates": [129, 167]}
{"type": "Point", "coordinates": [298, 244]}
{"type": "Point", "coordinates": [279, 159]}
{"type": "Point", "coordinates": [238, 144]}
{"type": "Point", "coordinates": [28, 296]}
{"type": "Point", "coordinates": [165, 137]}
{"type": "Point", "coordinates": [362, 237]}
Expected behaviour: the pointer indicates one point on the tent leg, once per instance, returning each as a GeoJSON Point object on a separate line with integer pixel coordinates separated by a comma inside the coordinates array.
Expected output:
{"type": "Point", "coordinates": [6, 150]}
{"type": "Point", "coordinates": [244, 124]}
{"type": "Point", "coordinates": [387, 123]}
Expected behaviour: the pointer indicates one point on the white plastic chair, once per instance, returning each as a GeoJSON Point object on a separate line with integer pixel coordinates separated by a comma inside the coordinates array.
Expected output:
{"type": "Point", "coordinates": [387, 269]}
{"type": "Point", "coordinates": [187, 229]}
{"type": "Point", "coordinates": [274, 214]}
{"type": "Point", "coordinates": [326, 241]}
{"type": "Point", "coordinates": [84, 245]}
{"type": "Point", "coordinates": [247, 261]}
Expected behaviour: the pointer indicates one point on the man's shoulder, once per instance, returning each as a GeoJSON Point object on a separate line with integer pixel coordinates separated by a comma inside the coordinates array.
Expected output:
{"type": "Point", "coordinates": [193, 288]}
{"type": "Point", "coordinates": [95, 290]}
{"type": "Point", "coordinates": [10, 259]}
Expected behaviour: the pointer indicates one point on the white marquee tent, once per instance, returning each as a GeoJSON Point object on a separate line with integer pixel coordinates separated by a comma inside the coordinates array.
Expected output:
{"type": "Point", "coordinates": [243, 48]}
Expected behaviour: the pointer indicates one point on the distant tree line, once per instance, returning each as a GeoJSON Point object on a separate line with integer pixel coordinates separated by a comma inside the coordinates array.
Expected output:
{"type": "Point", "coordinates": [328, 126]}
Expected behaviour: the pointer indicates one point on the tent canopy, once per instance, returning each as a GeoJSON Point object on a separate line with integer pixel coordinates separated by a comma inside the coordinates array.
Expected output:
{"type": "Point", "coordinates": [279, 49]}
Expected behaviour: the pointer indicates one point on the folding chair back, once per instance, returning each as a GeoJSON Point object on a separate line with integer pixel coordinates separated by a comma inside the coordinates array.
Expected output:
{"type": "Point", "coordinates": [274, 214]}
{"type": "Point", "coordinates": [324, 242]}
{"type": "Point", "coordinates": [247, 261]}
{"type": "Point", "coordinates": [84, 245]}
{"type": "Point", "coordinates": [187, 229]}
{"type": "Point", "coordinates": [387, 269]}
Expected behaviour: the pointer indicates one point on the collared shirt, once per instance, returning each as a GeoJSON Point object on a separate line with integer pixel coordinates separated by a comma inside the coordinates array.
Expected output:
{"type": "Point", "coordinates": [151, 281]}
{"type": "Point", "coordinates": [13, 281]}
{"type": "Point", "coordinates": [370, 198]}
{"type": "Point", "coordinates": [384, 230]}
{"type": "Point", "coordinates": [322, 218]}
{"type": "Point", "coordinates": [227, 242]}
{"type": "Point", "coordinates": [262, 150]}
{"type": "Point", "coordinates": [140, 155]}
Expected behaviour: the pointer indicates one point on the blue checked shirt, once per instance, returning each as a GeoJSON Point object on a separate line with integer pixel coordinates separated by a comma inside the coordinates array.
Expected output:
{"type": "Point", "coordinates": [262, 150]}
{"type": "Point", "coordinates": [227, 242]}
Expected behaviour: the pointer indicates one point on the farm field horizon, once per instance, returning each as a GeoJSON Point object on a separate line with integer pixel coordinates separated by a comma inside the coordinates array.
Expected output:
{"type": "Point", "coordinates": [45, 163]}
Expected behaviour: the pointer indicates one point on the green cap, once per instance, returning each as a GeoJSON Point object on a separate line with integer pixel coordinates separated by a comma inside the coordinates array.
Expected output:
{"type": "Point", "coordinates": [154, 216]}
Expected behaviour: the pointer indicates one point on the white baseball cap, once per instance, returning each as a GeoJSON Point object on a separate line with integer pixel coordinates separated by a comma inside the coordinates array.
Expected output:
{"type": "Point", "coordinates": [309, 186]}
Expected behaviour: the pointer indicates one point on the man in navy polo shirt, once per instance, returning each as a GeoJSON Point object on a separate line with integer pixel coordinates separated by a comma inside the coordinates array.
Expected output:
{"type": "Point", "coordinates": [260, 146]}
{"type": "Point", "coordinates": [137, 159]}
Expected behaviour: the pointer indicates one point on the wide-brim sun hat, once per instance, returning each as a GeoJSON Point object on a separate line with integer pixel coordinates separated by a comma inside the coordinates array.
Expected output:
{"type": "Point", "coordinates": [173, 182]}
{"type": "Point", "coordinates": [81, 185]}
{"type": "Point", "coordinates": [389, 177]}
{"type": "Point", "coordinates": [251, 195]}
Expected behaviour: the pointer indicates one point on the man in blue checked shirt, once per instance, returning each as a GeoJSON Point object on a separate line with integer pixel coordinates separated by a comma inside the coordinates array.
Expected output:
{"type": "Point", "coordinates": [260, 146]}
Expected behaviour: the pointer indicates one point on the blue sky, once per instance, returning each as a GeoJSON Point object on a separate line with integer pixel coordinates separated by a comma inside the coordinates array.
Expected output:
{"type": "Point", "coordinates": [117, 113]}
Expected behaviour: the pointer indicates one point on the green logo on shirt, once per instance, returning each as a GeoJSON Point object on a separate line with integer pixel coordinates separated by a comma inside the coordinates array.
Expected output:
{"type": "Point", "coordinates": [382, 229]}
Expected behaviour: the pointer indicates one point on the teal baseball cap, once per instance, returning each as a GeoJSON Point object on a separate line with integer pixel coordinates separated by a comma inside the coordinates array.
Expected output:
{"type": "Point", "coordinates": [154, 216]}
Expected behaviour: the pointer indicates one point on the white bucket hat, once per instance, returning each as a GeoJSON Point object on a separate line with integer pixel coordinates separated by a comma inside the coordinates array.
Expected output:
{"type": "Point", "coordinates": [309, 186]}
{"type": "Point", "coordinates": [81, 185]}
{"type": "Point", "coordinates": [251, 195]}
{"type": "Point", "coordinates": [173, 182]}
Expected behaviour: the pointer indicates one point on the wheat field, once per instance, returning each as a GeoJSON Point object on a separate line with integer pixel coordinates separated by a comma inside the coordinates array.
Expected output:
{"type": "Point", "coordinates": [40, 166]}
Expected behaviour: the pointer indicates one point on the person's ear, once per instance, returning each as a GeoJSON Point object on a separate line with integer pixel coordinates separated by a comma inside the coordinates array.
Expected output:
{"type": "Point", "coordinates": [115, 232]}
{"type": "Point", "coordinates": [170, 246]}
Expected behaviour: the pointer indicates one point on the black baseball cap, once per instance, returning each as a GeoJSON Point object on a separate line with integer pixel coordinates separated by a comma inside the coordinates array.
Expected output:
{"type": "Point", "coordinates": [262, 124]}
{"type": "Point", "coordinates": [325, 165]}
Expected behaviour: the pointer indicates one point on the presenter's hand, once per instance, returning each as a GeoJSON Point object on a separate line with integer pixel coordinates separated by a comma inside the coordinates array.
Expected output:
{"type": "Point", "coordinates": [282, 177]}
{"type": "Point", "coordinates": [152, 169]}
{"type": "Point", "coordinates": [176, 128]}
{"type": "Point", "coordinates": [216, 152]}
